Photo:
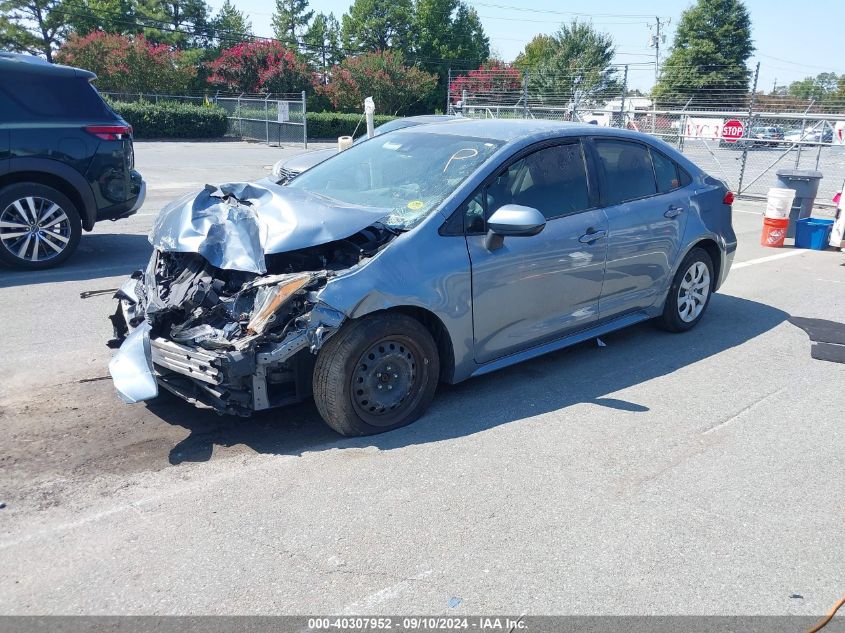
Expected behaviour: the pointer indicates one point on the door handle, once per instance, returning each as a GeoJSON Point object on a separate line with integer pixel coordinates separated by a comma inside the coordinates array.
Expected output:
{"type": "Point", "coordinates": [591, 236]}
{"type": "Point", "coordinates": [674, 212]}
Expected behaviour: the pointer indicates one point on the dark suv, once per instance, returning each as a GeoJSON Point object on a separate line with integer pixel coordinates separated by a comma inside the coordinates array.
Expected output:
{"type": "Point", "coordinates": [66, 161]}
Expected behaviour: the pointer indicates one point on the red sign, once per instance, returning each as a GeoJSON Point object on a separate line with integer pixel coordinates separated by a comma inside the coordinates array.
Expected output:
{"type": "Point", "coordinates": [732, 131]}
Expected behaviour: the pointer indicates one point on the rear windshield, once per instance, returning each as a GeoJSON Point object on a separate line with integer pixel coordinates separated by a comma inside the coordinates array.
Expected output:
{"type": "Point", "coordinates": [37, 98]}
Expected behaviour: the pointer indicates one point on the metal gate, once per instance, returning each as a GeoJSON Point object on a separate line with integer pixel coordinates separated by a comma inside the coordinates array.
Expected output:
{"type": "Point", "coordinates": [777, 132]}
{"type": "Point", "coordinates": [272, 118]}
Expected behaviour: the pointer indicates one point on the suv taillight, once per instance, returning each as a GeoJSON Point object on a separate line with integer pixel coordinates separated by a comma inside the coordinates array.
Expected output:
{"type": "Point", "coordinates": [729, 198]}
{"type": "Point", "coordinates": [110, 132]}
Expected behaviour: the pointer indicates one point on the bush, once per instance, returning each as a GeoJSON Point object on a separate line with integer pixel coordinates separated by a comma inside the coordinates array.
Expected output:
{"type": "Point", "coordinates": [382, 75]}
{"type": "Point", "coordinates": [129, 64]}
{"type": "Point", "coordinates": [334, 124]}
{"type": "Point", "coordinates": [262, 66]}
{"type": "Point", "coordinates": [173, 120]}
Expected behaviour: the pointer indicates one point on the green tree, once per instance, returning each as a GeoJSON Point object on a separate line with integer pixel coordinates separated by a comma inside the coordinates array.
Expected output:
{"type": "Point", "coordinates": [707, 63]}
{"type": "Point", "coordinates": [578, 68]}
{"type": "Point", "coordinates": [110, 16]}
{"type": "Point", "coordinates": [447, 33]}
{"type": "Point", "coordinates": [177, 23]}
{"type": "Point", "coordinates": [32, 26]}
{"type": "Point", "coordinates": [289, 21]}
{"type": "Point", "coordinates": [537, 51]}
{"type": "Point", "coordinates": [322, 43]}
{"type": "Point", "coordinates": [378, 25]}
{"type": "Point", "coordinates": [819, 88]}
{"type": "Point", "coordinates": [230, 26]}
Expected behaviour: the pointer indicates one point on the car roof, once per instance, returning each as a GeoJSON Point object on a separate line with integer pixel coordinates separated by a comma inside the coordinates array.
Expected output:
{"type": "Point", "coordinates": [517, 133]}
{"type": "Point", "coordinates": [508, 130]}
{"type": "Point", "coordinates": [32, 65]}
{"type": "Point", "coordinates": [433, 118]}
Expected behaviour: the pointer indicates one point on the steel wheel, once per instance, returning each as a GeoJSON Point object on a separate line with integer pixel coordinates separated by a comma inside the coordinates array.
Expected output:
{"type": "Point", "coordinates": [693, 292]}
{"type": "Point", "coordinates": [385, 379]}
{"type": "Point", "coordinates": [35, 229]}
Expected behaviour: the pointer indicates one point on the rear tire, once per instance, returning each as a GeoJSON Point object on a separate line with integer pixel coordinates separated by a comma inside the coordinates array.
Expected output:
{"type": "Point", "coordinates": [376, 374]}
{"type": "Point", "coordinates": [690, 292]}
{"type": "Point", "coordinates": [39, 226]}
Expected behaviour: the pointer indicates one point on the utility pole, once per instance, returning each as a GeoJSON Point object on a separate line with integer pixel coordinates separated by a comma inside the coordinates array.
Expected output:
{"type": "Point", "coordinates": [654, 42]}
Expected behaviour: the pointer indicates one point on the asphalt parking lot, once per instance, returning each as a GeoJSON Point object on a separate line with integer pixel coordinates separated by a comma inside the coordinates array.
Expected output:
{"type": "Point", "coordinates": [699, 473]}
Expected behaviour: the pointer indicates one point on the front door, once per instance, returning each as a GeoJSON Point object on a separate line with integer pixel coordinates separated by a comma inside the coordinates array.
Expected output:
{"type": "Point", "coordinates": [646, 207]}
{"type": "Point", "coordinates": [535, 289]}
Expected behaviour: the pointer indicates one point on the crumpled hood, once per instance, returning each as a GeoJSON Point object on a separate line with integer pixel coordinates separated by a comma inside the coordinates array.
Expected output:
{"type": "Point", "coordinates": [234, 225]}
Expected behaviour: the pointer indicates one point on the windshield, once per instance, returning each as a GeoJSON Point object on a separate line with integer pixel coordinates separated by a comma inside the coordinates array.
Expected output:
{"type": "Point", "coordinates": [407, 173]}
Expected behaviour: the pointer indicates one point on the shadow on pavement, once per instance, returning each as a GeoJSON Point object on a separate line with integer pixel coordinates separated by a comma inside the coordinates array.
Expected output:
{"type": "Point", "coordinates": [584, 373]}
{"type": "Point", "coordinates": [99, 255]}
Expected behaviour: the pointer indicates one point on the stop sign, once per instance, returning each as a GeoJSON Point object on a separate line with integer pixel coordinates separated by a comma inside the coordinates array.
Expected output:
{"type": "Point", "coordinates": [732, 131]}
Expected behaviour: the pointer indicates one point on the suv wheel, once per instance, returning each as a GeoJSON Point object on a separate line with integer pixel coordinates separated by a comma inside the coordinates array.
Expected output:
{"type": "Point", "coordinates": [376, 374]}
{"type": "Point", "coordinates": [690, 292]}
{"type": "Point", "coordinates": [39, 226]}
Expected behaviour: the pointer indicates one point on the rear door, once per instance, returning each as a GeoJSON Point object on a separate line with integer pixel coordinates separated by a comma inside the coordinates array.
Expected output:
{"type": "Point", "coordinates": [535, 289]}
{"type": "Point", "coordinates": [643, 195]}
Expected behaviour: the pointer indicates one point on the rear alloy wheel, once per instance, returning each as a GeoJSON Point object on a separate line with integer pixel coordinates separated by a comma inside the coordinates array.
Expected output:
{"type": "Point", "coordinates": [378, 373]}
{"type": "Point", "coordinates": [690, 292]}
{"type": "Point", "coordinates": [39, 226]}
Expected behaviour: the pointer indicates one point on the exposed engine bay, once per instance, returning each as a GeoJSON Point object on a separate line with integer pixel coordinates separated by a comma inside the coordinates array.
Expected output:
{"type": "Point", "coordinates": [225, 336]}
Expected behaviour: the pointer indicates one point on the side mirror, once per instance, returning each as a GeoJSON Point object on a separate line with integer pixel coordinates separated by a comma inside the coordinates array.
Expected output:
{"type": "Point", "coordinates": [514, 220]}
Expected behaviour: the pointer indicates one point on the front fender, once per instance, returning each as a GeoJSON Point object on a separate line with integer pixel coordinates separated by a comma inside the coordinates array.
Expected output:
{"type": "Point", "coordinates": [421, 270]}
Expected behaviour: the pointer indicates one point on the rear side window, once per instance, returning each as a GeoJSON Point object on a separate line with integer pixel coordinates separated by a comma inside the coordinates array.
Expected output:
{"type": "Point", "coordinates": [666, 173]}
{"type": "Point", "coordinates": [625, 170]}
{"type": "Point", "coordinates": [38, 97]}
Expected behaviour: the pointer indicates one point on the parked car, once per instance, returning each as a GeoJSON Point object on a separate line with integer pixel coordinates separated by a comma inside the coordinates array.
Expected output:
{"type": "Point", "coordinates": [757, 136]}
{"type": "Point", "coordinates": [766, 136]}
{"type": "Point", "coordinates": [66, 161]}
{"type": "Point", "coordinates": [287, 168]}
{"type": "Point", "coordinates": [428, 254]}
{"type": "Point", "coordinates": [823, 134]}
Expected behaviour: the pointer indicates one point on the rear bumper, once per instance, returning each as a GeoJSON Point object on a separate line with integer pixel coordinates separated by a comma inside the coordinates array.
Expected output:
{"type": "Point", "coordinates": [130, 206]}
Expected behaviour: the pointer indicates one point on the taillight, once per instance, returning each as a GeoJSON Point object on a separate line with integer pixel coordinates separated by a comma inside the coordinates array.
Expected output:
{"type": "Point", "coordinates": [729, 198]}
{"type": "Point", "coordinates": [110, 132]}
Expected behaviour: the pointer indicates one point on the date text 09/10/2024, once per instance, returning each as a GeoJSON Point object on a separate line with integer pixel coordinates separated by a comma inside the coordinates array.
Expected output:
{"type": "Point", "coordinates": [419, 623]}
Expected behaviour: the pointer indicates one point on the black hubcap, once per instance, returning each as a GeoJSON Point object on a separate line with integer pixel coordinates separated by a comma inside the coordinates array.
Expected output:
{"type": "Point", "coordinates": [384, 380]}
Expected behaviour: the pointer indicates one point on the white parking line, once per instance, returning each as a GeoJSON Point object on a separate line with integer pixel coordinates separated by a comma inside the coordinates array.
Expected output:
{"type": "Point", "coordinates": [769, 258]}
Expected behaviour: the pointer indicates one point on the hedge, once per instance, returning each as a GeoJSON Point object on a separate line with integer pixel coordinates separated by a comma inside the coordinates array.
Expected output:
{"type": "Point", "coordinates": [334, 124]}
{"type": "Point", "coordinates": [171, 119]}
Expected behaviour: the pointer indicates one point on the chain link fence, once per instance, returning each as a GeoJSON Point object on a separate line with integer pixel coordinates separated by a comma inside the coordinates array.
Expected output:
{"type": "Point", "coordinates": [727, 127]}
{"type": "Point", "coordinates": [274, 118]}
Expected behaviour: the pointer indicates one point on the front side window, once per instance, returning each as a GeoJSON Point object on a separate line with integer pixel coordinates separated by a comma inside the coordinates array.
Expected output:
{"type": "Point", "coordinates": [406, 173]}
{"type": "Point", "coordinates": [552, 180]}
{"type": "Point", "coordinates": [625, 171]}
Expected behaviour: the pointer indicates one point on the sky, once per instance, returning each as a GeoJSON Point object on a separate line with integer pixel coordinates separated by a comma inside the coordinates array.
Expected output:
{"type": "Point", "coordinates": [793, 40]}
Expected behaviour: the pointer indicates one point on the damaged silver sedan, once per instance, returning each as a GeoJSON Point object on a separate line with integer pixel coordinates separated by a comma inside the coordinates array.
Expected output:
{"type": "Point", "coordinates": [403, 261]}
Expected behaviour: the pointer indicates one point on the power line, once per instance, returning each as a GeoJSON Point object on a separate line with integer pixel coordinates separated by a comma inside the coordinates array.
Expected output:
{"type": "Point", "coordinates": [553, 12]}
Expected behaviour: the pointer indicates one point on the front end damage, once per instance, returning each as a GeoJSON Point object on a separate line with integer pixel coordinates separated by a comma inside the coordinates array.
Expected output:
{"type": "Point", "coordinates": [221, 322]}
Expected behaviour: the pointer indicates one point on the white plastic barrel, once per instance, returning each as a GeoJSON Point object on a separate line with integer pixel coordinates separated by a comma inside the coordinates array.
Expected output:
{"type": "Point", "coordinates": [779, 202]}
{"type": "Point", "coordinates": [344, 142]}
{"type": "Point", "coordinates": [837, 234]}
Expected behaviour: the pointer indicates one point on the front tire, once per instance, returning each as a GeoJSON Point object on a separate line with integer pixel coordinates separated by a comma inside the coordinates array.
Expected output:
{"type": "Point", "coordinates": [39, 226]}
{"type": "Point", "coordinates": [689, 294]}
{"type": "Point", "coordinates": [376, 374]}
